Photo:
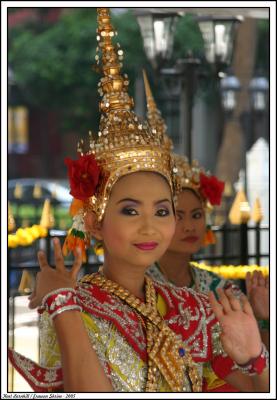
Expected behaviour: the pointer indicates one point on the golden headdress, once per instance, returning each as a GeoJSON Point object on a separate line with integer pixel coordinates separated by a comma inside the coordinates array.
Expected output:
{"type": "Point", "coordinates": [194, 177]}
{"type": "Point", "coordinates": [124, 144]}
{"type": "Point", "coordinates": [154, 116]}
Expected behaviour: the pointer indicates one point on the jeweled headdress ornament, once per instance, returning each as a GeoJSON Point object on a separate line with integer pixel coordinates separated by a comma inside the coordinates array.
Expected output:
{"type": "Point", "coordinates": [193, 176]}
{"type": "Point", "coordinates": [124, 144]}
{"type": "Point", "coordinates": [154, 116]}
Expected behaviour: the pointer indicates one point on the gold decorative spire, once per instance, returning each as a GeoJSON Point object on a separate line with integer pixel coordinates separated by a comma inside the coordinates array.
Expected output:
{"type": "Point", "coordinates": [257, 212]}
{"type": "Point", "coordinates": [240, 210]}
{"type": "Point", "coordinates": [125, 144]}
{"type": "Point", "coordinates": [27, 282]}
{"type": "Point", "coordinates": [47, 219]}
{"type": "Point", "coordinates": [37, 193]}
{"type": "Point", "coordinates": [154, 116]}
{"type": "Point", "coordinates": [18, 191]}
{"type": "Point", "coordinates": [113, 86]}
{"type": "Point", "coordinates": [11, 222]}
{"type": "Point", "coordinates": [228, 191]}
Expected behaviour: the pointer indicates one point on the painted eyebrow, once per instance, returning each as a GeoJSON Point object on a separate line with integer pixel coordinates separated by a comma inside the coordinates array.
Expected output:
{"type": "Point", "coordinates": [195, 209]}
{"type": "Point", "coordinates": [140, 202]}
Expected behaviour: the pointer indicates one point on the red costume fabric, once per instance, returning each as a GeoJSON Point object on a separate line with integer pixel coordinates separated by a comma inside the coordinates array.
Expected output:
{"type": "Point", "coordinates": [188, 315]}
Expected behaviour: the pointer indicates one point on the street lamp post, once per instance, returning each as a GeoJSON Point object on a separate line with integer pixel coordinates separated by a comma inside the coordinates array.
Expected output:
{"type": "Point", "coordinates": [229, 86]}
{"type": "Point", "coordinates": [258, 89]}
{"type": "Point", "coordinates": [218, 34]}
{"type": "Point", "coordinates": [157, 30]}
{"type": "Point", "coordinates": [185, 72]}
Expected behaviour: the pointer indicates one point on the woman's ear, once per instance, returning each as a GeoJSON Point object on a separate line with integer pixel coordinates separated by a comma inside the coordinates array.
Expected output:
{"type": "Point", "coordinates": [93, 226]}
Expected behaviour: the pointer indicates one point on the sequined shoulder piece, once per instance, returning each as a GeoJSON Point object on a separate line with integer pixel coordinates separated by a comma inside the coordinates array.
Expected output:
{"type": "Point", "coordinates": [39, 378]}
{"type": "Point", "coordinates": [190, 316]}
{"type": "Point", "coordinates": [99, 303]}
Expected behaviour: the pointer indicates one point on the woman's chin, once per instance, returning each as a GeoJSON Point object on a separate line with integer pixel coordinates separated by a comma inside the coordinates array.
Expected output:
{"type": "Point", "coordinates": [187, 249]}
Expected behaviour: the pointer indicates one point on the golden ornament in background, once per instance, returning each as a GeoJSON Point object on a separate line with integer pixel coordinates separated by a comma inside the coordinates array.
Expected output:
{"type": "Point", "coordinates": [47, 218]}
{"type": "Point", "coordinates": [257, 212]}
{"type": "Point", "coordinates": [240, 210]}
{"type": "Point", "coordinates": [18, 191]}
{"type": "Point", "coordinates": [27, 282]}
{"type": "Point", "coordinates": [11, 221]}
{"type": "Point", "coordinates": [37, 193]}
{"type": "Point", "coordinates": [228, 190]}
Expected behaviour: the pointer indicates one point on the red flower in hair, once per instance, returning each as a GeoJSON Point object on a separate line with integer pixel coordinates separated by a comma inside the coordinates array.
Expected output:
{"type": "Point", "coordinates": [83, 176]}
{"type": "Point", "coordinates": [211, 188]}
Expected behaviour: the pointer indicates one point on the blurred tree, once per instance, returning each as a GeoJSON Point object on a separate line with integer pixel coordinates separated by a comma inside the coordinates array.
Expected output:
{"type": "Point", "coordinates": [51, 63]}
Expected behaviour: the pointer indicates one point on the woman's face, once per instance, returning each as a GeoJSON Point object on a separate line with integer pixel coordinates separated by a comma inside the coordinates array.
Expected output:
{"type": "Point", "coordinates": [191, 224]}
{"type": "Point", "coordinates": [139, 221]}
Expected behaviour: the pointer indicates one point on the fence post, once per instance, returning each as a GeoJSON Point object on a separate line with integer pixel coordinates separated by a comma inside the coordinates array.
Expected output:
{"type": "Point", "coordinates": [48, 247]}
{"type": "Point", "coordinates": [224, 241]}
{"type": "Point", "coordinates": [244, 243]}
{"type": "Point", "coordinates": [258, 243]}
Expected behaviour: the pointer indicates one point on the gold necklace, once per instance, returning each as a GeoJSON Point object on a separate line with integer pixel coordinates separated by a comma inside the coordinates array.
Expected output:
{"type": "Point", "coordinates": [166, 353]}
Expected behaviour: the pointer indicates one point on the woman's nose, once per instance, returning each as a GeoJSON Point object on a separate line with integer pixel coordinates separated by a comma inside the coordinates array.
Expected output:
{"type": "Point", "coordinates": [147, 226]}
{"type": "Point", "coordinates": [188, 226]}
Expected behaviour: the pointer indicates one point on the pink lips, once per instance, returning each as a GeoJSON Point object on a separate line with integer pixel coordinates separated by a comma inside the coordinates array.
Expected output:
{"type": "Point", "coordinates": [190, 239]}
{"type": "Point", "coordinates": [146, 245]}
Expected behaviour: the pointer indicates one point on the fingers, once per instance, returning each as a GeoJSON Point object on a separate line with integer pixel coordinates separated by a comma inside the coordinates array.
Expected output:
{"type": "Point", "coordinates": [42, 260]}
{"type": "Point", "coordinates": [248, 283]}
{"type": "Point", "coordinates": [216, 306]}
{"type": "Point", "coordinates": [34, 303]}
{"type": "Point", "coordinates": [246, 306]}
{"type": "Point", "coordinates": [255, 276]}
{"type": "Point", "coordinates": [59, 261]}
{"type": "Point", "coordinates": [261, 279]}
{"type": "Point", "coordinates": [224, 300]}
{"type": "Point", "coordinates": [77, 263]}
{"type": "Point", "coordinates": [233, 301]}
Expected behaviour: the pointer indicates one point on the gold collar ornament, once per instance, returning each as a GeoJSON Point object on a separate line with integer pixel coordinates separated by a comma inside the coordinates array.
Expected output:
{"type": "Point", "coordinates": [167, 354]}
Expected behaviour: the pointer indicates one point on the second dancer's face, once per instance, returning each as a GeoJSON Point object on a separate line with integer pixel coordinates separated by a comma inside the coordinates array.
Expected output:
{"type": "Point", "coordinates": [139, 221]}
{"type": "Point", "coordinates": [191, 224]}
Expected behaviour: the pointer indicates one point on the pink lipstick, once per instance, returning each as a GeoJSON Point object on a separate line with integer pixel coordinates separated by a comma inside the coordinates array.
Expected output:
{"type": "Point", "coordinates": [146, 246]}
{"type": "Point", "coordinates": [190, 239]}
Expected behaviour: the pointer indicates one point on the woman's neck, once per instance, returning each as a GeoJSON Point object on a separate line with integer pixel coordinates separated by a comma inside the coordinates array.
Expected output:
{"type": "Point", "coordinates": [175, 267]}
{"type": "Point", "coordinates": [129, 276]}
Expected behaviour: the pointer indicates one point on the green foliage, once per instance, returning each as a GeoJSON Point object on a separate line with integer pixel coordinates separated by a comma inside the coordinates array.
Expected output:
{"type": "Point", "coordinates": [54, 67]}
{"type": "Point", "coordinates": [188, 38]}
{"type": "Point", "coordinates": [53, 63]}
{"type": "Point", "coordinates": [262, 55]}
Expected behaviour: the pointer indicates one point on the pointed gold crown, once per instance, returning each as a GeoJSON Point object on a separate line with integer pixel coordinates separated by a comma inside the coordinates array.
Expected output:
{"type": "Point", "coordinates": [189, 174]}
{"type": "Point", "coordinates": [124, 144]}
{"type": "Point", "coordinates": [192, 176]}
{"type": "Point", "coordinates": [154, 116]}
